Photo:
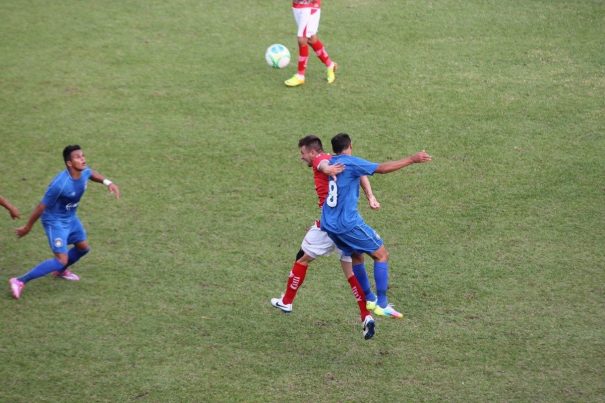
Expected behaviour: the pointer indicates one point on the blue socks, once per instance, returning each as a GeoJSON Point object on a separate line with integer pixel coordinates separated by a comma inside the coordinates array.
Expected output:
{"type": "Point", "coordinates": [74, 255]}
{"type": "Point", "coordinates": [381, 277]}
{"type": "Point", "coordinates": [50, 265]}
{"type": "Point", "coordinates": [47, 266]}
{"type": "Point", "coordinates": [362, 277]}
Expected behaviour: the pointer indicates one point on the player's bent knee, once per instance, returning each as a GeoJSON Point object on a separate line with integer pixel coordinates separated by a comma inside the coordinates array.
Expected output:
{"type": "Point", "coordinates": [300, 254]}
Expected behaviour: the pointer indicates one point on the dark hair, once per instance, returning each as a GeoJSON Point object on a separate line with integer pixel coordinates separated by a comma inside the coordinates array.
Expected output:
{"type": "Point", "coordinates": [340, 142]}
{"type": "Point", "coordinates": [68, 150]}
{"type": "Point", "coordinates": [311, 141]}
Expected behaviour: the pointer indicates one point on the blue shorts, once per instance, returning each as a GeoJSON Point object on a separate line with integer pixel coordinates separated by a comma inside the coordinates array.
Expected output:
{"type": "Point", "coordinates": [361, 239]}
{"type": "Point", "coordinates": [61, 233]}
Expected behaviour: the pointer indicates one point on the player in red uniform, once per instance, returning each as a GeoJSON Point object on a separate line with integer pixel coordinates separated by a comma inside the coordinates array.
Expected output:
{"type": "Point", "coordinates": [317, 242]}
{"type": "Point", "coordinates": [307, 14]}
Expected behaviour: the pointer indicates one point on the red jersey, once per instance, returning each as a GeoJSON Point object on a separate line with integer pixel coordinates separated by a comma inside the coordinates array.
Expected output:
{"type": "Point", "coordinates": [306, 3]}
{"type": "Point", "coordinates": [321, 179]}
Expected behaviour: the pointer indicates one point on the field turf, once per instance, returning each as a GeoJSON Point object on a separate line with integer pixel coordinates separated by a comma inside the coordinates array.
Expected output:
{"type": "Point", "coordinates": [497, 246]}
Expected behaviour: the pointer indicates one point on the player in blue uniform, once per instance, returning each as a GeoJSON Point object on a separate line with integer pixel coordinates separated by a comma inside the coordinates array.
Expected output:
{"type": "Point", "coordinates": [61, 224]}
{"type": "Point", "coordinates": [343, 223]}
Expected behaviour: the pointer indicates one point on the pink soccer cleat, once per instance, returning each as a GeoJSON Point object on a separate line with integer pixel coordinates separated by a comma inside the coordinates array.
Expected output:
{"type": "Point", "coordinates": [16, 287]}
{"type": "Point", "coordinates": [67, 275]}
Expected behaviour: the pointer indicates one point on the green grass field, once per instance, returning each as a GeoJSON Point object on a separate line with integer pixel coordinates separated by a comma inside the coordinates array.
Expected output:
{"type": "Point", "coordinates": [497, 247]}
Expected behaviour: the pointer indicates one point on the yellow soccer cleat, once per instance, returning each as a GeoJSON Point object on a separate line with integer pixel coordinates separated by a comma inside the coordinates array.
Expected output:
{"type": "Point", "coordinates": [388, 311]}
{"type": "Point", "coordinates": [371, 305]}
{"type": "Point", "coordinates": [295, 81]}
{"type": "Point", "coordinates": [331, 76]}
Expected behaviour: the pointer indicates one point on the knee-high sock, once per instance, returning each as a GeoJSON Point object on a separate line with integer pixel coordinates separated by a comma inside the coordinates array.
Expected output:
{"type": "Point", "coordinates": [297, 277]}
{"type": "Point", "coordinates": [359, 296]}
{"type": "Point", "coordinates": [362, 277]}
{"type": "Point", "coordinates": [381, 277]}
{"type": "Point", "coordinates": [320, 51]}
{"type": "Point", "coordinates": [42, 269]}
{"type": "Point", "coordinates": [303, 57]}
{"type": "Point", "coordinates": [74, 255]}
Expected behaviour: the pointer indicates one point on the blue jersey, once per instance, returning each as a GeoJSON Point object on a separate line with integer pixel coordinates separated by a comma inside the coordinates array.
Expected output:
{"type": "Point", "coordinates": [63, 195]}
{"type": "Point", "coordinates": [339, 213]}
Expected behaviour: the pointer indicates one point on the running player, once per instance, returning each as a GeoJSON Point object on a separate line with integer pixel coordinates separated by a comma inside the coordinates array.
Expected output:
{"type": "Point", "coordinates": [306, 15]}
{"type": "Point", "coordinates": [61, 224]}
{"type": "Point", "coordinates": [316, 242]}
{"type": "Point", "coordinates": [341, 220]}
{"type": "Point", "coordinates": [12, 210]}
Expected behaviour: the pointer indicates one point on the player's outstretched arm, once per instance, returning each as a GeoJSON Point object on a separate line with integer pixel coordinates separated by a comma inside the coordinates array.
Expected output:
{"type": "Point", "coordinates": [418, 158]}
{"type": "Point", "coordinates": [367, 189]}
{"type": "Point", "coordinates": [12, 210]}
{"type": "Point", "coordinates": [24, 230]}
{"type": "Point", "coordinates": [112, 187]}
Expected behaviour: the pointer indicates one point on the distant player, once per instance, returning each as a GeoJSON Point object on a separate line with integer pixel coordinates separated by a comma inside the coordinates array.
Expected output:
{"type": "Point", "coordinates": [341, 220]}
{"type": "Point", "coordinates": [12, 210]}
{"type": "Point", "coordinates": [307, 14]}
{"type": "Point", "coordinates": [61, 224]}
{"type": "Point", "coordinates": [316, 242]}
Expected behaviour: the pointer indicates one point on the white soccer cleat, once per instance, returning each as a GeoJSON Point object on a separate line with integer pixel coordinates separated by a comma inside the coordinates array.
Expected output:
{"type": "Point", "coordinates": [368, 327]}
{"type": "Point", "coordinates": [278, 303]}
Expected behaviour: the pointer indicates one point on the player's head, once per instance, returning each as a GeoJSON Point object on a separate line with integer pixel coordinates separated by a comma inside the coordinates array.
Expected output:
{"type": "Point", "coordinates": [74, 157]}
{"type": "Point", "coordinates": [310, 146]}
{"type": "Point", "coordinates": [340, 142]}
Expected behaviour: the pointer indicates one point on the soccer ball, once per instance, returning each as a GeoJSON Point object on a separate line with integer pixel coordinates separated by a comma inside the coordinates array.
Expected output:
{"type": "Point", "coordinates": [277, 56]}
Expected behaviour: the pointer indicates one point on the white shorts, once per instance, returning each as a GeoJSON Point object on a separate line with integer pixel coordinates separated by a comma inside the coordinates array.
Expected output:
{"type": "Point", "coordinates": [307, 21]}
{"type": "Point", "coordinates": [318, 243]}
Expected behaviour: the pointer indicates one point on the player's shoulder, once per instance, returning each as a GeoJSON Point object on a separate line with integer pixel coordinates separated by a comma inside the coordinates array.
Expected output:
{"type": "Point", "coordinates": [60, 177]}
{"type": "Point", "coordinates": [319, 158]}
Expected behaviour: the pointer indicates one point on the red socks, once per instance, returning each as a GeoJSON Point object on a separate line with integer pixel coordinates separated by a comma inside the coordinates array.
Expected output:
{"type": "Point", "coordinates": [297, 277]}
{"type": "Point", "coordinates": [359, 296]}
{"type": "Point", "coordinates": [320, 51]}
{"type": "Point", "coordinates": [303, 56]}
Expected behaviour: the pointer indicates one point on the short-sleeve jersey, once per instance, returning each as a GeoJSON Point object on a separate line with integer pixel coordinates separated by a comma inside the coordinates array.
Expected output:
{"type": "Point", "coordinates": [306, 3]}
{"type": "Point", "coordinates": [321, 179]}
{"type": "Point", "coordinates": [339, 213]}
{"type": "Point", "coordinates": [63, 195]}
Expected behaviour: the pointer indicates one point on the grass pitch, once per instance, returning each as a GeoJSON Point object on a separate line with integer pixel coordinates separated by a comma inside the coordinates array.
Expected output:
{"type": "Point", "coordinates": [497, 254]}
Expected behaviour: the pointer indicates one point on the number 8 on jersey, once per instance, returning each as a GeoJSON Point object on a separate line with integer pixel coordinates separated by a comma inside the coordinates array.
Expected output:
{"type": "Point", "coordinates": [332, 199]}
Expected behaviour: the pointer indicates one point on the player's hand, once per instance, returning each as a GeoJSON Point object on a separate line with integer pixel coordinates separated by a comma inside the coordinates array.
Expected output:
{"type": "Point", "coordinates": [333, 170]}
{"type": "Point", "coordinates": [113, 188]}
{"type": "Point", "coordinates": [421, 156]}
{"type": "Point", "coordinates": [374, 204]}
{"type": "Point", "coordinates": [14, 212]}
{"type": "Point", "coordinates": [22, 231]}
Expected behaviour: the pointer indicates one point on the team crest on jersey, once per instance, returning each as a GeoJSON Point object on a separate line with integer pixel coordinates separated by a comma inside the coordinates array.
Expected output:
{"type": "Point", "coordinates": [58, 243]}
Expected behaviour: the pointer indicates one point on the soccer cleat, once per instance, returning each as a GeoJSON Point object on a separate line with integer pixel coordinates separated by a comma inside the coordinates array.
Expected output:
{"type": "Point", "coordinates": [67, 275]}
{"type": "Point", "coordinates": [331, 73]}
{"type": "Point", "coordinates": [371, 305]}
{"type": "Point", "coordinates": [278, 303]}
{"type": "Point", "coordinates": [388, 311]}
{"type": "Point", "coordinates": [295, 81]}
{"type": "Point", "coordinates": [368, 327]}
{"type": "Point", "coordinates": [16, 287]}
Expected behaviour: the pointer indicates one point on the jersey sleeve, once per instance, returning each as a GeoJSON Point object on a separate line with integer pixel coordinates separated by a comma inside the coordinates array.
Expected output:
{"type": "Point", "coordinates": [318, 160]}
{"type": "Point", "coordinates": [87, 173]}
{"type": "Point", "coordinates": [363, 167]}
